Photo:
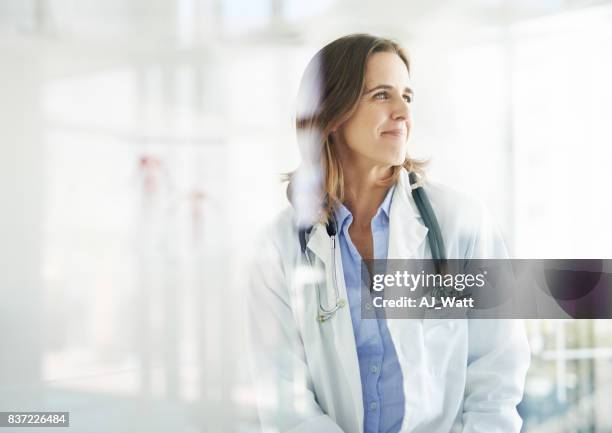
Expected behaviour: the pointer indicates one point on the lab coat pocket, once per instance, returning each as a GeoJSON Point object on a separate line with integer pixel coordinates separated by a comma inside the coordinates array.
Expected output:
{"type": "Point", "coordinates": [444, 345]}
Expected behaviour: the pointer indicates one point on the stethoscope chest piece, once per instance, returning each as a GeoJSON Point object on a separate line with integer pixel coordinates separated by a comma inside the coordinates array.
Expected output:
{"type": "Point", "coordinates": [323, 314]}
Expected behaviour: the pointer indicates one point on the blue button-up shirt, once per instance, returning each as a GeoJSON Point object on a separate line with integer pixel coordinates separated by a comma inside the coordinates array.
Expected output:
{"type": "Point", "coordinates": [381, 375]}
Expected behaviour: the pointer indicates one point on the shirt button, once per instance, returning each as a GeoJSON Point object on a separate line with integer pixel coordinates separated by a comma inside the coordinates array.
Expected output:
{"type": "Point", "coordinates": [374, 369]}
{"type": "Point", "coordinates": [373, 405]}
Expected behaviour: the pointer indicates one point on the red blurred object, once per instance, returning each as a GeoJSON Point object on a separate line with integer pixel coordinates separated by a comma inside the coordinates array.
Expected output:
{"type": "Point", "coordinates": [151, 168]}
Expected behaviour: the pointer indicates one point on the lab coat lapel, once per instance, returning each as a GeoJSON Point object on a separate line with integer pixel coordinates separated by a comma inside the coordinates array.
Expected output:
{"type": "Point", "coordinates": [341, 323]}
{"type": "Point", "coordinates": [407, 232]}
{"type": "Point", "coordinates": [318, 243]}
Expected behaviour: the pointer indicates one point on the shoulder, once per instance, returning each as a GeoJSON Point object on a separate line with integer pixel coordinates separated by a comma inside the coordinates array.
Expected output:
{"type": "Point", "coordinates": [451, 206]}
{"type": "Point", "coordinates": [467, 225]}
{"type": "Point", "coordinates": [278, 238]}
{"type": "Point", "coordinates": [456, 206]}
{"type": "Point", "coordinates": [269, 261]}
{"type": "Point", "coordinates": [282, 227]}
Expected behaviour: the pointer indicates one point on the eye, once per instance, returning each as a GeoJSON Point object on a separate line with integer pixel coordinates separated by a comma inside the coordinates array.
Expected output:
{"type": "Point", "coordinates": [408, 98]}
{"type": "Point", "coordinates": [381, 95]}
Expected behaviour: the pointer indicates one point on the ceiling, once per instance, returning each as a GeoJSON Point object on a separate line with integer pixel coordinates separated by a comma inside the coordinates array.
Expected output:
{"type": "Point", "coordinates": [188, 23]}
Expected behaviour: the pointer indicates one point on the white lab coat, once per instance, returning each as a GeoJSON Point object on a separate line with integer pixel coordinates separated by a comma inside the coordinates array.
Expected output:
{"type": "Point", "coordinates": [459, 374]}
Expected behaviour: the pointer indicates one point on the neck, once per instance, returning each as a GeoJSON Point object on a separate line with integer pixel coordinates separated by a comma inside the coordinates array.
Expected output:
{"type": "Point", "coordinates": [364, 193]}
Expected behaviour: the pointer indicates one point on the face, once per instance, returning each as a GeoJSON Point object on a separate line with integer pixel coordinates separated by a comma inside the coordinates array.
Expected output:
{"type": "Point", "coordinates": [377, 132]}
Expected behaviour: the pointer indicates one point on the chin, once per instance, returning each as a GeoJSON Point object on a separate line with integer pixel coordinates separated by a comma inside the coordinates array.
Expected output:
{"type": "Point", "coordinates": [394, 156]}
{"type": "Point", "coordinates": [391, 161]}
{"type": "Point", "coordinates": [398, 159]}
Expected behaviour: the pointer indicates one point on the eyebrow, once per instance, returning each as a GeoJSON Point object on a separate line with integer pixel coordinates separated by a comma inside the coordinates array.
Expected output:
{"type": "Point", "coordinates": [387, 87]}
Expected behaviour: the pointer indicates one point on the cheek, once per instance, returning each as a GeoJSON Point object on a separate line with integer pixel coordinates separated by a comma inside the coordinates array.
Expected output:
{"type": "Point", "coordinates": [370, 119]}
{"type": "Point", "coordinates": [362, 130]}
{"type": "Point", "coordinates": [357, 133]}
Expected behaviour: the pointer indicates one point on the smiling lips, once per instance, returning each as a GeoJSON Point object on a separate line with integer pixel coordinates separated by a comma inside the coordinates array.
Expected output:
{"type": "Point", "coordinates": [399, 133]}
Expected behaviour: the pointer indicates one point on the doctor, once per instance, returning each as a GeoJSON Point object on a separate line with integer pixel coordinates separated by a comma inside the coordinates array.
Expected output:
{"type": "Point", "coordinates": [339, 373]}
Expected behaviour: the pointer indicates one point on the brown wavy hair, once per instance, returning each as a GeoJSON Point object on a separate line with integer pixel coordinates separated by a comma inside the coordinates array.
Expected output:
{"type": "Point", "coordinates": [329, 92]}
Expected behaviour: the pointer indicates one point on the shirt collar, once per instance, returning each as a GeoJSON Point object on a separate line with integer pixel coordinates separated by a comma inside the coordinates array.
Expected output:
{"type": "Point", "coordinates": [343, 215]}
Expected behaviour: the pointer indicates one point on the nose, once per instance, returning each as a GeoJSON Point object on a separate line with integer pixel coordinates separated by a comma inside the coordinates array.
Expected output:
{"type": "Point", "coordinates": [401, 111]}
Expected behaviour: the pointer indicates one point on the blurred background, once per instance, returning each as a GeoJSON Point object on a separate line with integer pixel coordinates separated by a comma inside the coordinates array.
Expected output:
{"type": "Point", "coordinates": [141, 144]}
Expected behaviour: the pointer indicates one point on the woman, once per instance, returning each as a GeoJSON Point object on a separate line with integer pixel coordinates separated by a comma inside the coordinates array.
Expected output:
{"type": "Point", "coordinates": [351, 200]}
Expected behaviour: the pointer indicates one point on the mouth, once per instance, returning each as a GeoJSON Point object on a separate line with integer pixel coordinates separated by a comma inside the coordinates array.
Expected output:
{"type": "Point", "coordinates": [398, 133]}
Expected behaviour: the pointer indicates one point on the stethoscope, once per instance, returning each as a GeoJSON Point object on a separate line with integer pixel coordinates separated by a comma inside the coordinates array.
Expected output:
{"type": "Point", "coordinates": [434, 237]}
